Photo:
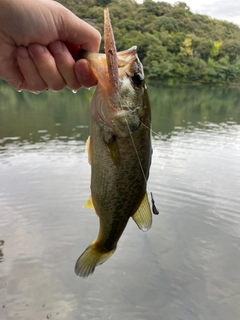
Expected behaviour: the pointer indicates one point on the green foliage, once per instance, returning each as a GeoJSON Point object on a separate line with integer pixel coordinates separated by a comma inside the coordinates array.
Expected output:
{"type": "Point", "coordinates": [167, 23]}
{"type": "Point", "coordinates": [214, 52]}
{"type": "Point", "coordinates": [186, 49]}
{"type": "Point", "coordinates": [173, 43]}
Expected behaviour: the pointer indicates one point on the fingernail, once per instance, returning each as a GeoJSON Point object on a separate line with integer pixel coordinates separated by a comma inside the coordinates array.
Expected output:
{"type": "Point", "coordinates": [36, 49]}
{"type": "Point", "coordinates": [56, 47]}
{"type": "Point", "coordinates": [23, 52]}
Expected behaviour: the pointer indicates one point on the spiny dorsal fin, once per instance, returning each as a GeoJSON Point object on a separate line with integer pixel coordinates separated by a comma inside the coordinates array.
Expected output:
{"type": "Point", "coordinates": [143, 215]}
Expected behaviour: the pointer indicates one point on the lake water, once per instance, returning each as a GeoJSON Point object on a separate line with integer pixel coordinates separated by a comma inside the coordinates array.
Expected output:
{"type": "Point", "coordinates": [186, 267]}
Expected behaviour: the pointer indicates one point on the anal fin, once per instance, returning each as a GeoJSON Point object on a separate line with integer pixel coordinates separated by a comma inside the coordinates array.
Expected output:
{"type": "Point", "coordinates": [143, 215]}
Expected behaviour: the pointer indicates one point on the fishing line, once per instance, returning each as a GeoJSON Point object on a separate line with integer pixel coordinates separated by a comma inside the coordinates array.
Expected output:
{"type": "Point", "coordinates": [150, 129]}
{"type": "Point", "coordinates": [139, 160]}
{"type": "Point", "coordinates": [154, 207]}
{"type": "Point", "coordinates": [130, 133]}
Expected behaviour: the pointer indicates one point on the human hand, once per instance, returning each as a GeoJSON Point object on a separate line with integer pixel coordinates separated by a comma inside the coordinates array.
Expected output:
{"type": "Point", "coordinates": [37, 41]}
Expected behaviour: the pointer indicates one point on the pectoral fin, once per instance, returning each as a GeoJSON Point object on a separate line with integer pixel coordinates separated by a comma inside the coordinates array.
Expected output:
{"type": "Point", "coordinates": [89, 204]}
{"type": "Point", "coordinates": [89, 150]}
{"type": "Point", "coordinates": [114, 151]}
{"type": "Point", "coordinates": [143, 215]}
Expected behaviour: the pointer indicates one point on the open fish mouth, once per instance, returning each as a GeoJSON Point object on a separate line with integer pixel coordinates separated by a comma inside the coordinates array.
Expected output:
{"type": "Point", "coordinates": [107, 76]}
{"type": "Point", "coordinates": [112, 66]}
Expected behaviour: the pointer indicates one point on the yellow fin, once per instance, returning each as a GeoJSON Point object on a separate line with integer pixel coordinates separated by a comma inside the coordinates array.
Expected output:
{"type": "Point", "coordinates": [89, 150]}
{"type": "Point", "coordinates": [143, 215]}
{"type": "Point", "coordinates": [90, 258]}
{"type": "Point", "coordinates": [89, 204]}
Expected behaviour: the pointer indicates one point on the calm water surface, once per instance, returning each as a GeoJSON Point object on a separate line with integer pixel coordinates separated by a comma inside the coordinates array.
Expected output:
{"type": "Point", "coordinates": [185, 268]}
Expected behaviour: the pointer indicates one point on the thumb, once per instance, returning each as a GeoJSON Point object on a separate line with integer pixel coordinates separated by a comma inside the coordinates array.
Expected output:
{"type": "Point", "coordinates": [78, 32]}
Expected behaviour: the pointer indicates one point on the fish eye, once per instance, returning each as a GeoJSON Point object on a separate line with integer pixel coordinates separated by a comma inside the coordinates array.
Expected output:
{"type": "Point", "coordinates": [137, 79]}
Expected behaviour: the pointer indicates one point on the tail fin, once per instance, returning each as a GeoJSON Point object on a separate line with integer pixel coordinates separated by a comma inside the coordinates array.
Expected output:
{"type": "Point", "coordinates": [89, 259]}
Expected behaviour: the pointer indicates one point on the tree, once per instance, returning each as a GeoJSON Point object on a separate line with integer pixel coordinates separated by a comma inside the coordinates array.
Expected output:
{"type": "Point", "coordinates": [215, 50]}
{"type": "Point", "coordinates": [173, 43]}
{"type": "Point", "coordinates": [167, 23]}
{"type": "Point", "coordinates": [186, 48]}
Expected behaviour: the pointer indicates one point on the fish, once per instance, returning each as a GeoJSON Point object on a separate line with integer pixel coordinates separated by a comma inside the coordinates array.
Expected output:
{"type": "Point", "coordinates": [119, 148]}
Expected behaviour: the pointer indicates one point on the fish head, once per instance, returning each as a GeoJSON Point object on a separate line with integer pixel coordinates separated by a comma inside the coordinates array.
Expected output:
{"type": "Point", "coordinates": [131, 97]}
{"type": "Point", "coordinates": [119, 109]}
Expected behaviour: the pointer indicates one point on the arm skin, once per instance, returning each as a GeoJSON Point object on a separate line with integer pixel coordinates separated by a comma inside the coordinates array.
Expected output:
{"type": "Point", "coordinates": [33, 51]}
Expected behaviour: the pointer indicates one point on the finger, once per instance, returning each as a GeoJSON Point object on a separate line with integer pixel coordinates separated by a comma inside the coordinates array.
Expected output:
{"type": "Point", "coordinates": [65, 64]}
{"type": "Point", "coordinates": [46, 67]}
{"type": "Point", "coordinates": [79, 32]}
{"type": "Point", "coordinates": [73, 49]}
{"type": "Point", "coordinates": [10, 72]}
{"type": "Point", "coordinates": [32, 79]}
{"type": "Point", "coordinates": [9, 69]}
{"type": "Point", "coordinates": [84, 74]}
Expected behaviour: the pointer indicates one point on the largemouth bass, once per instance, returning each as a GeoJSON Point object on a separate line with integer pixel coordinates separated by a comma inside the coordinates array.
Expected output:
{"type": "Point", "coordinates": [119, 148]}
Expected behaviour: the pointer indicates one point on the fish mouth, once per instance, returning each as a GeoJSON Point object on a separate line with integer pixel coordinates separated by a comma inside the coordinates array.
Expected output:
{"type": "Point", "coordinates": [108, 68]}
{"type": "Point", "coordinates": [109, 79]}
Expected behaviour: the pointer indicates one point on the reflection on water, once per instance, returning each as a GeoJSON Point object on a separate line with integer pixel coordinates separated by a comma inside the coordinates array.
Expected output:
{"type": "Point", "coordinates": [185, 267]}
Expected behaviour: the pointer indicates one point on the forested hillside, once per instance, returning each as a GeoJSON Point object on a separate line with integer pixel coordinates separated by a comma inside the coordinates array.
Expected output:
{"type": "Point", "coordinates": [174, 44]}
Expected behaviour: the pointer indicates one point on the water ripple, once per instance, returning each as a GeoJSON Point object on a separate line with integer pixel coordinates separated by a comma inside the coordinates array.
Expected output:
{"type": "Point", "coordinates": [185, 267]}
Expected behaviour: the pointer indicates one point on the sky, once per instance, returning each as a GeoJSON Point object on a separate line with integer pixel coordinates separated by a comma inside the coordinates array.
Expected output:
{"type": "Point", "coordinates": [228, 10]}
